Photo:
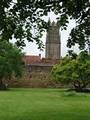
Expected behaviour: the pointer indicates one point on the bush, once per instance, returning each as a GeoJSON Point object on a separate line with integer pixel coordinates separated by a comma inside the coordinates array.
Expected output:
{"type": "Point", "coordinates": [74, 71]}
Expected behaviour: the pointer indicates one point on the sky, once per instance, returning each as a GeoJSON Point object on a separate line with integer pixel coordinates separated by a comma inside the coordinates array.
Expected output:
{"type": "Point", "coordinates": [31, 48]}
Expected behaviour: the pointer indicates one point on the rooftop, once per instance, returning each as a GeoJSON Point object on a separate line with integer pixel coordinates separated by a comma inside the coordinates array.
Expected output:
{"type": "Point", "coordinates": [37, 60]}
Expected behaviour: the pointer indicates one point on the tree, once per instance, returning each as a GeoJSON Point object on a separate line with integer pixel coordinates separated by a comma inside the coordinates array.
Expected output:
{"type": "Point", "coordinates": [19, 17]}
{"type": "Point", "coordinates": [11, 63]}
{"type": "Point", "coordinates": [79, 11]}
{"type": "Point", "coordinates": [21, 20]}
{"type": "Point", "coordinates": [74, 71]}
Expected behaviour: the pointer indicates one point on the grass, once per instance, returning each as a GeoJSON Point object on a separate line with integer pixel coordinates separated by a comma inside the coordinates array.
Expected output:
{"type": "Point", "coordinates": [44, 104]}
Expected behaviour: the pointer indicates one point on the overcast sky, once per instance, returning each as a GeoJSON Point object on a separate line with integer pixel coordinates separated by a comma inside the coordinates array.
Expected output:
{"type": "Point", "coordinates": [31, 48]}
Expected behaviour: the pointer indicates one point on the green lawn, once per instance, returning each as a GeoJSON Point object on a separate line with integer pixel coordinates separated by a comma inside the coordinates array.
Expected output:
{"type": "Point", "coordinates": [44, 104]}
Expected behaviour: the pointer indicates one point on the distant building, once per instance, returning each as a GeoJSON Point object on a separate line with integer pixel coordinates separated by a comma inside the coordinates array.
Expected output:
{"type": "Point", "coordinates": [53, 42]}
{"type": "Point", "coordinates": [39, 69]}
{"type": "Point", "coordinates": [52, 52]}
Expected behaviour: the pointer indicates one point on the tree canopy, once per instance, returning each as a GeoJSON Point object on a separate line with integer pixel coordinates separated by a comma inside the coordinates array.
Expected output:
{"type": "Point", "coordinates": [74, 71]}
{"type": "Point", "coordinates": [18, 18]}
{"type": "Point", "coordinates": [11, 63]}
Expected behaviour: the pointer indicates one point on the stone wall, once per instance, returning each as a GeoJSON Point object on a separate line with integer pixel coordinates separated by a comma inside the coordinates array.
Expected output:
{"type": "Point", "coordinates": [34, 80]}
{"type": "Point", "coordinates": [35, 75]}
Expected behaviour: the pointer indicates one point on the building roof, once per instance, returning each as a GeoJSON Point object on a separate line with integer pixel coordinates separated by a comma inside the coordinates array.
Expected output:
{"type": "Point", "coordinates": [29, 59]}
{"type": "Point", "coordinates": [38, 61]}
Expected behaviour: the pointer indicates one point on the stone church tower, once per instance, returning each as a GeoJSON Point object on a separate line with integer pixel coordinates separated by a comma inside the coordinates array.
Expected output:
{"type": "Point", "coordinates": [53, 43]}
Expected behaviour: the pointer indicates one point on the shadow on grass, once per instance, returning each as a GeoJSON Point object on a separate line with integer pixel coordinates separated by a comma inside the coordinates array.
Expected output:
{"type": "Point", "coordinates": [79, 91]}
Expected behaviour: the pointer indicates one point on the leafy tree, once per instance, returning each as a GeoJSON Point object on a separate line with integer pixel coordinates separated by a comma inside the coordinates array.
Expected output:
{"type": "Point", "coordinates": [19, 17]}
{"type": "Point", "coordinates": [10, 62]}
{"type": "Point", "coordinates": [74, 71]}
{"type": "Point", "coordinates": [78, 10]}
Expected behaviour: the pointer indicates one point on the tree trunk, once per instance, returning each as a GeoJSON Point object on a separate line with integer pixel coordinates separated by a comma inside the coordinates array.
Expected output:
{"type": "Point", "coordinates": [80, 86]}
{"type": "Point", "coordinates": [1, 82]}
{"type": "Point", "coordinates": [2, 85]}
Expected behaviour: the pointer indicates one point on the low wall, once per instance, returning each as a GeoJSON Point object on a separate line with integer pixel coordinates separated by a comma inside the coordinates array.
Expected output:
{"type": "Point", "coordinates": [34, 79]}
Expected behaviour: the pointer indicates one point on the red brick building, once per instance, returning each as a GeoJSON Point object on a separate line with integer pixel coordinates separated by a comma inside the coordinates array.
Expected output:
{"type": "Point", "coordinates": [36, 63]}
